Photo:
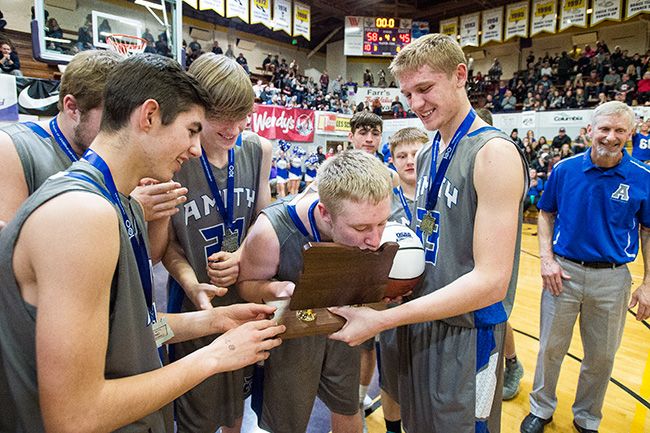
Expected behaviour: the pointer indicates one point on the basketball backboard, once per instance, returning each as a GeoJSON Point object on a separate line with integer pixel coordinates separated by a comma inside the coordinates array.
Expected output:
{"type": "Point", "coordinates": [63, 27]}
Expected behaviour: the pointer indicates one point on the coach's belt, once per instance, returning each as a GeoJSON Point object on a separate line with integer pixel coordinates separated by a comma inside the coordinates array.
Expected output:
{"type": "Point", "coordinates": [595, 265]}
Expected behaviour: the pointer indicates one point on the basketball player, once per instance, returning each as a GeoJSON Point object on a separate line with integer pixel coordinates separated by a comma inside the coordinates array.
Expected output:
{"type": "Point", "coordinates": [228, 186]}
{"type": "Point", "coordinates": [404, 145]}
{"type": "Point", "coordinates": [468, 216]}
{"type": "Point", "coordinates": [77, 322]}
{"type": "Point", "coordinates": [32, 152]}
{"type": "Point", "coordinates": [641, 142]}
{"type": "Point", "coordinates": [351, 208]}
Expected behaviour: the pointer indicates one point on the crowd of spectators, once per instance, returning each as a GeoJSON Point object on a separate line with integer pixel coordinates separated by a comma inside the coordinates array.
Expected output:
{"type": "Point", "coordinates": [580, 78]}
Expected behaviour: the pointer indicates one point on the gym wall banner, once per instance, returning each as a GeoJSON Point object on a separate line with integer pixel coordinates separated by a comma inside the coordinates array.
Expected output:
{"type": "Point", "coordinates": [492, 25]}
{"type": "Point", "coordinates": [36, 96]}
{"type": "Point", "coordinates": [8, 99]}
{"type": "Point", "coordinates": [605, 10]}
{"type": "Point", "coordinates": [275, 122]}
{"type": "Point", "coordinates": [386, 96]}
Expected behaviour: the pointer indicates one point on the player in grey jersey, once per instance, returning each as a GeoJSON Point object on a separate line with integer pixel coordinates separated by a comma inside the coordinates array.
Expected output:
{"type": "Point", "coordinates": [228, 186]}
{"type": "Point", "coordinates": [468, 215]}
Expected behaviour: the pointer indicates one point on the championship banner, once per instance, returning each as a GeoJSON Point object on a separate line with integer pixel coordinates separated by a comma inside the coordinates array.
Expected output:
{"type": "Point", "coordinates": [516, 20]}
{"type": "Point", "coordinates": [215, 5]}
{"type": "Point", "coordinates": [193, 3]}
{"type": "Point", "coordinates": [37, 97]}
{"type": "Point", "coordinates": [282, 16]}
{"type": "Point", "coordinates": [260, 11]}
{"type": "Point", "coordinates": [469, 30]}
{"type": "Point", "coordinates": [573, 13]}
{"type": "Point", "coordinates": [635, 7]}
{"type": "Point", "coordinates": [302, 20]}
{"type": "Point", "coordinates": [449, 27]}
{"type": "Point", "coordinates": [544, 17]}
{"type": "Point", "coordinates": [275, 122]}
{"type": "Point", "coordinates": [492, 25]}
{"type": "Point", "coordinates": [9, 99]}
{"type": "Point", "coordinates": [237, 9]}
{"type": "Point", "coordinates": [605, 10]}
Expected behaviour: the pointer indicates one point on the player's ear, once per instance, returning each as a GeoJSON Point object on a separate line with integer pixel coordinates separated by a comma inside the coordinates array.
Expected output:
{"type": "Point", "coordinates": [325, 214]}
{"type": "Point", "coordinates": [71, 108]}
{"type": "Point", "coordinates": [148, 114]}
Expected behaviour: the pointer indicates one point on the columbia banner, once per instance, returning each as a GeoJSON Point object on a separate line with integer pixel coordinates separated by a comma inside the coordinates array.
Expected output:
{"type": "Point", "coordinates": [492, 25]}
{"type": "Point", "coordinates": [517, 20]}
{"type": "Point", "coordinates": [292, 124]}
{"type": "Point", "coordinates": [302, 20]}
{"type": "Point", "coordinates": [573, 13]}
{"type": "Point", "coordinates": [282, 16]}
{"type": "Point", "coordinates": [635, 7]}
{"type": "Point", "coordinates": [237, 9]}
{"type": "Point", "coordinates": [469, 30]}
{"type": "Point", "coordinates": [544, 15]}
{"type": "Point", "coordinates": [215, 5]}
{"type": "Point", "coordinates": [605, 10]}
{"type": "Point", "coordinates": [449, 27]}
{"type": "Point", "coordinates": [260, 11]}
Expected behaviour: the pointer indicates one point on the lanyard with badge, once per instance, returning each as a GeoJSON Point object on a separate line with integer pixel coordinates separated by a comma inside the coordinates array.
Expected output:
{"type": "Point", "coordinates": [437, 174]}
{"type": "Point", "coordinates": [312, 220]}
{"type": "Point", "coordinates": [63, 142]}
{"type": "Point", "coordinates": [230, 241]}
{"type": "Point", "coordinates": [162, 331]}
{"type": "Point", "coordinates": [400, 193]}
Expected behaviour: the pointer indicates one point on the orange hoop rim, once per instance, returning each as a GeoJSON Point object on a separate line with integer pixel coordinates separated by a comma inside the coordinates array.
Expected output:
{"type": "Point", "coordinates": [126, 44]}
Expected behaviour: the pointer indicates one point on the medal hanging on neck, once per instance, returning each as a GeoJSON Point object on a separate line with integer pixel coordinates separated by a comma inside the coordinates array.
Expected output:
{"type": "Point", "coordinates": [429, 223]}
{"type": "Point", "coordinates": [230, 240]}
{"type": "Point", "coordinates": [63, 142]}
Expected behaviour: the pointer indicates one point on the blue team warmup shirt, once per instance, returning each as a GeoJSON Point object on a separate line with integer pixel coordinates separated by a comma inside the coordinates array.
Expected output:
{"type": "Point", "coordinates": [598, 210]}
{"type": "Point", "coordinates": [641, 147]}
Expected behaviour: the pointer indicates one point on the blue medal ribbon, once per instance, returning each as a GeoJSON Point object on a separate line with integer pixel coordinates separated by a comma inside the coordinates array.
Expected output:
{"type": "Point", "coordinates": [226, 212]}
{"type": "Point", "coordinates": [135, 234]}
{"type": "Point", "coordinates": [437, 174]}
{"type": "Point", "coordinates": [312, 221]}
{"type": "Point", "coordinates": [37, 129]}
{"type": "Point", "coordinates": [63, 142]}
{"type": "Point", "coordinates": [400, 193]}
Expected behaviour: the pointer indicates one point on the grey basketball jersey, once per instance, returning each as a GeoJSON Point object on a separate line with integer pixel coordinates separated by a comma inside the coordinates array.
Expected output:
{"type": "Point", "coordinates": [449, 249]}
{"type": "Point", "coordinates": [40, 157]}
{"type": "Point", "coordinates": [398, 213]}
{"type": "Point", "coordinates": [199, 226]}
{"type": "Point", "coordinates": [131, 347]}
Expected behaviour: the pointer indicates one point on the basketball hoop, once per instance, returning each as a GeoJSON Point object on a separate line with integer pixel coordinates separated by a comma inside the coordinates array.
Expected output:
{"type": "Point", "coordinates": [126, 44]}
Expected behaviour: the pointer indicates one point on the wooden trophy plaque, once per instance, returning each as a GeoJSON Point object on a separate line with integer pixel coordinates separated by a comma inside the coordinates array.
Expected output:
{"type": "Point", "coordinates": [333, 275]}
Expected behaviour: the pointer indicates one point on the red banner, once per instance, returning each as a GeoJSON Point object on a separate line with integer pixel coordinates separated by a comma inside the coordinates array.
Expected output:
{"type": "Point", "coordinates": [291, 124]}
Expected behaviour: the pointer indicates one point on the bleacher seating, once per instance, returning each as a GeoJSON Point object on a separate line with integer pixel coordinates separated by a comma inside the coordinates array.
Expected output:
{"type": "Point", "coordinates": [30, 67]}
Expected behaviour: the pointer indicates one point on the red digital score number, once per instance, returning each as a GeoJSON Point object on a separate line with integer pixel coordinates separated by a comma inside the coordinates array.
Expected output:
{"type": "Point", "coordinates": [405, 38]}
{"type": "Point", "coordinates": [367, 48]}
{"type": "Point", "coordinates": [372, 36]}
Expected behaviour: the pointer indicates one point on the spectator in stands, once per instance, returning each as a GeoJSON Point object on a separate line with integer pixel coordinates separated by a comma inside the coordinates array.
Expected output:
{"type": "Point", "coordinates": [162, 48]}
{"type": "Point", "coordinates": [148, 36]}
{"type": "Point", "coordinates": [541, 142]}
{"type": "Point", "coordinates": [611, 81]}
{"type": "Point", "coordinates": [104, 30]}
{"type": "Point", "coordinates": [570, 100]}
{"type": "Point", "coordinates": [628, 86]}
{"type": "Point", "coordinates": [581, 142]}
{"type": "Point", "coordinates": [565, 151]}
{"type": "Point", "coordinates": [556, 100]}
{"type": "Point", "coordinates": [495, 70]}
{"type": "Point", "coordinates": [581, 101]}
{"type": "Point", "coordinates": [195, 47]}
{"type": "Point", "coordinates": [564, 67]}
{"type": "Point", "coordinates": [85, 35]}
{"type": "Point", "coordinates": [529, 153]}
{"type": "Point", "coordinates": [324, 81]}
{"type": "Point", "coordinates": [560, 139]}
{"type": "Point", "coordinates": [545, 82]}
{"type": "Point", "coordinates": [535, 189]}
{"type": "Point", "coordinates": [546, 70]}
{"type": "Point", "coordinates": [643, 89]}
{"type": "Point", "coordinates": [3, 22]}
{"type": "Point", "coordinates": [541, 165]}
{"type": "Point", "coordinates": [529, 102]}
{"type": "Point", "coordinates": [229, 52]}
{"type": "Point", "coordinates": [243, 62]}
{"type": "Point", "coordinates": [368, 79]}
{"type": "Point", "coordinates": [53, 30]}
{"type": "Point", "coordinates": [9, 63]}
{"type": "Point", "coordinates": [382, 78]}
{"type": "Point", "coordinates": [602, 98]}
{"type": "Point", "coordinates": [376, 107]}
{"type": "Point", "coordinates": [508, 102]}
{"type": "Point", "coordinates": [267, 63]}
{"type": "Point", "coordinates": [514, 136]}
{"type": "Point", "coordinates": [216, 49]}
{"type": "Point", "coordinates": [321, 156]}
{"type": "Point", "coordinates": [520, 91]}
{"type": "Point", "coordinates": [258, 88]}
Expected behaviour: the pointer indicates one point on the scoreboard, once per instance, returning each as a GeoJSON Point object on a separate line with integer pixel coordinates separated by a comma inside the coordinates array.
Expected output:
{"type": "Point", "coordinates": [378, 36]}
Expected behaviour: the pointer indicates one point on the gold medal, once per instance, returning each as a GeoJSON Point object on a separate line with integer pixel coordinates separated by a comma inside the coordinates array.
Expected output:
{"type": "Point", "coordinates": [428, 224]}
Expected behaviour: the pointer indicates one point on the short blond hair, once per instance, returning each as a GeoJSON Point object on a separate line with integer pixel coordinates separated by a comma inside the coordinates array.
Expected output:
{"type": "Point", "coordinates": [439, 52]}
{"type": "Point", "coordinates": [407, 135]}
{"type": "Point", "coordinates": [85, 78]}
{"type": "Point", "coordinates": [227, 83]}
{"type": "Point", "coordinates": [352, 175]}
{"type": "Point", "coordinates": [614, 108]}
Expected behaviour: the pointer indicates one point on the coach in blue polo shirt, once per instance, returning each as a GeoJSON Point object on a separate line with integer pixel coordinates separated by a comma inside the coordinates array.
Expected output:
{"type": "Point", "coordinates": [592, 210]}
